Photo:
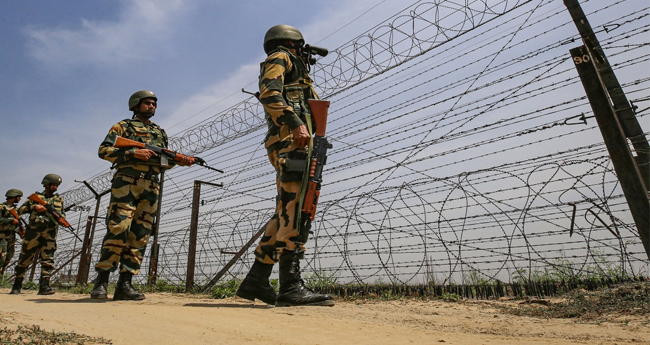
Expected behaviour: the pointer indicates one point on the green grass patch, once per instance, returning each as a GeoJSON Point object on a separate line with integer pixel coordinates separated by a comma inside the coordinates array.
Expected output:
{"type": "Point", "coordinates": [34, 335]}
{"type": "Point", "coordinates": [624, 299]}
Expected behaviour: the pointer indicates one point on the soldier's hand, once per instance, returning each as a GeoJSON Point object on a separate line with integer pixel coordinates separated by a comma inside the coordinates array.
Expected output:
{"type": "Point", "coordinates": [187, 161]}
{"type": "Point", "coordinates": [300, 136]}
{"type": "Point", "coordinates": [39, 208]}
{"type": "Point", "coordinates": [15, 222]}
{"type": "Point", "coordinates": [143, 154]}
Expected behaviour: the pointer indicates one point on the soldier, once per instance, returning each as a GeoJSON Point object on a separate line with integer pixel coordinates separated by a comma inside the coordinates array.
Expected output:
{"type": "Point", "coordinates": [8, 224]}
{"type": "Point", "coordinates": [285, 86]}
{"type": "Point", "coordinates": [40, 235]}
{"type": "Point", "coordinates": [134, 197]}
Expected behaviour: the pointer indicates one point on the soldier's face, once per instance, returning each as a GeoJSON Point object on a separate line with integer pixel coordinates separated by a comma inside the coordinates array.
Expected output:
{"type": "Point", "coordinates": [52, 187]}
{"type": "Point", "coordinates": [148, 107]}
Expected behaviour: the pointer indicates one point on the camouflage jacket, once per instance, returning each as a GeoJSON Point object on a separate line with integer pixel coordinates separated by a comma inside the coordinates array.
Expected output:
{"type": "Point", "coordinates": [43, 219]}
{"type": "Point", "coordinates": [285, 86]}
{"type": "Point", "coordinates": [134, 129]}
{"type": "Point", "coordinates": [6, 219]}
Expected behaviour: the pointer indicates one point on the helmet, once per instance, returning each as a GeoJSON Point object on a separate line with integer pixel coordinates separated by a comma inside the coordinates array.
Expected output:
{"type": "Point", "coordinates": [282, 32]}
{"type": "Point", "coordinates": [12, 193]}
{"type": "Point", "coordinates": [51, 178]}
{"type": "Point", "coordinates": [140, 95]}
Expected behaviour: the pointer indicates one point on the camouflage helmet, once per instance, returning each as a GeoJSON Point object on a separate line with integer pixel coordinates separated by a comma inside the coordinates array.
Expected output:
{"type": "Point", "coordinates": [282, 32]}
{"type": "Point", "coordinates": [140, 95]}
{"type": "Point", "coordinates": [51, 179]}
{"type": "Point", "coordinates": [12, 193]}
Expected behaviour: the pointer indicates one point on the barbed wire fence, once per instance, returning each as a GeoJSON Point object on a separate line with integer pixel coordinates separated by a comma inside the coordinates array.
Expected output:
{"type": "Point", "coordinates": [464, 152]}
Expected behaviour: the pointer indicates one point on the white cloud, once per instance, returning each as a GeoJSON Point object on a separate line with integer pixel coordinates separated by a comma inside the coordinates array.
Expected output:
{"type": "Point", "coordinates": [140, 27]}
{"type": "Point", "coordinates": [214, 99]}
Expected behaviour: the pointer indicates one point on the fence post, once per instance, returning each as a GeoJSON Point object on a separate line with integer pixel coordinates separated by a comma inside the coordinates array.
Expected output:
{"type": "Point", "coordinates": [616, 142]}
{"type": "Point", "coordinates": [155, 246]}
{"type": "Point", "coordinates": [86, 250]}
{"type": "Point", "coordinates": [194, 224]}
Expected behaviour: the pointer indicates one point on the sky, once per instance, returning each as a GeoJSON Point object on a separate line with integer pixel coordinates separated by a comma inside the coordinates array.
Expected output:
{"type": "Point", "coordinates": [68, 69]}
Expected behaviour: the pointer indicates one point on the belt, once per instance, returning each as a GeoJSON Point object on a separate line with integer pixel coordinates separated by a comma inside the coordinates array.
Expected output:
{"type": "Point", "coordinates": [138, 174]}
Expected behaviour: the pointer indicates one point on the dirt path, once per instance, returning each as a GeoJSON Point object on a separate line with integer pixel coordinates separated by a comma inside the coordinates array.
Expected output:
{"type": "Point", "coordinates": [179, 319]}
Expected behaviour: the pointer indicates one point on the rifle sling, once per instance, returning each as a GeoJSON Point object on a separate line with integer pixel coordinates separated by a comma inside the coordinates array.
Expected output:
{"type": "Point", "coordinates": [305, 175]}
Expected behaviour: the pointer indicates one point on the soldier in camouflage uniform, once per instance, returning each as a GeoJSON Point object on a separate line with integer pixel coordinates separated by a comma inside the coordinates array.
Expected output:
{"type": "Point", "coordinates": [134, 197]}
{"type": "Point", "coordinates": [285, 86]}
{"type": "Point", "coordinates": [40, 235]}
{"type": "Point", "coordinates": [8, 225]}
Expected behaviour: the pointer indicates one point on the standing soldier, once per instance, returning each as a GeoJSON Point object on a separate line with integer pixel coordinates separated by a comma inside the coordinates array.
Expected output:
{"type": "Point", "coordinates": [285, 87]}
{"type": "Point", "coordinates": [8, 224]}
{"type": "Point", "coordinates": [134, 196]}
{"type": "Point", "coordinates": [40, 235]}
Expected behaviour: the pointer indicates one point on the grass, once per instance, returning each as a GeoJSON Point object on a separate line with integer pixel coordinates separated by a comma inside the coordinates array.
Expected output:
{"type": "Point", "coordinates": [34, 335]}
{"type": "Point", "coordinates": [628, 299]}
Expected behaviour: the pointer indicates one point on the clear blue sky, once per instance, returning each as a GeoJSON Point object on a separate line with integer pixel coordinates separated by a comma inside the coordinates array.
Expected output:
{"type": "Point", "coordinates": [69, 67]}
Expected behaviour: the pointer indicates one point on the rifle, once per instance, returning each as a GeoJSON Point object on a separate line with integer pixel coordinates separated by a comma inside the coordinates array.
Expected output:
{"type": "Point", "coordinates": [318, 157]}
{"type": "Point", "coordinates": [21, 222]}
{"type": "Point", "coordinates": [121, 142]}
{"type": "Point", "coordinates": [52, 212]}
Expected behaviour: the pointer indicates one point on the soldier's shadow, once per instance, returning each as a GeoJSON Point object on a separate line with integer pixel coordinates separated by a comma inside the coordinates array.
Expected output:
{"type": "Point", "coordinates": [228, 305]}
{"type": "Point", "coordinates": [80, 300]}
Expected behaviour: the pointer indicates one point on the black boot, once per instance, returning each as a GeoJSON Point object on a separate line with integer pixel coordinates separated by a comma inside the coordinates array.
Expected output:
{"type": "Point", "coordinates": [101, 286]}
{"type": "Point", "coordinates": [256, 284]}
{"type": "Point", "coordinates": [44, 287]}
{"type": "Point", "coordinates": [18, 284]}
{"type": "Point", "coordinates": [292, 289]}
{"type": "Point", "coordinates": [124, 291]}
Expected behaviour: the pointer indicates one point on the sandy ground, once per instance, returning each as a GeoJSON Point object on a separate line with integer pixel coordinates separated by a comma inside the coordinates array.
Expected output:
{"type": "Point", "coordinates": [180, 319]}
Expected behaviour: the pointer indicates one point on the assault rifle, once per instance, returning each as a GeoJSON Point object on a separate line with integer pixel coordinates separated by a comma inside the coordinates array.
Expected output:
{"type": "Point", "coordinates": [21, 223]}
{"type": "Point", "coordinates": [317, 159]}
{"type": "Point", "coordinates": [54, 214]}
{"type": "Point", "coordinates": [164, 154]}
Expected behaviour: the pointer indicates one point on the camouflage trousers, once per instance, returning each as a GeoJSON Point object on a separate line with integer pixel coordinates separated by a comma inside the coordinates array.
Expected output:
{"type": "Point", "coordinates": [7, 249]}
{"type": "Point", "coordinates": [129, 220]}
{"type": "Point", "coordinates": [37, 238]}
{"type": "Point", "coordinates": [280, 233]}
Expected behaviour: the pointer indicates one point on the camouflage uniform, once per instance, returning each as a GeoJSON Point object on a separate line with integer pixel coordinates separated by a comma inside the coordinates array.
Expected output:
{"type": "Point", "coordinates": [285, 86]}
{"type": "Point", "coordinates": [40, 234]}
{"type": "Point", "coordinates": [7, 236]}
{"type": "Point", "coordinates": [134, 196]}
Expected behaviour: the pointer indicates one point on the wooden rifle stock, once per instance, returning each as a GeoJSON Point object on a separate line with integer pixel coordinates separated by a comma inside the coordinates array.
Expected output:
{"type": "Point", "coordinates": [318, 156]}
{"type": "Point", "coordinates": [20, 222]}
{"type": "Point", "coordinates": [319, 114]}
{"type": "Point", "coordinates": [50, 209]}
{"type": "Point", "coordinates": [121, 142]}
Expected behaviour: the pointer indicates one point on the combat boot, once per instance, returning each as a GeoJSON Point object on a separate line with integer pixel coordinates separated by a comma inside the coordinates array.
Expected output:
{"type": "Point", "coordinates": [18, 285]}
{"type": "Point", "coordinates": [100, 290]}
{"type": "Point", "coordinates": [257, 285]}
{"type": "Point", "coordinates": [124, 291]}
{"type": "Point", "coordinates": [44, 287]}
{"type": "Point", "coordinates": [293, 291]}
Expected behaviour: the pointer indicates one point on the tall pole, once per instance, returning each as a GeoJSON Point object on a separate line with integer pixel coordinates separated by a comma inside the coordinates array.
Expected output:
{"type": "Point", "coordinates": [619, 152]}
{"type": "Point", "coordinates": [622, 106]}
{"type": "Point", "coordinates": [618, 120]}
{"type": "Point", "coordinates": [194, 225]}
{"type": "Point", "coordinates": [155, 246]}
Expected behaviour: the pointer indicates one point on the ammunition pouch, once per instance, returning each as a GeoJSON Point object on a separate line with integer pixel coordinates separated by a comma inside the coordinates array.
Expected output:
{"type": "Point", "coordinates": [292, 165]}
